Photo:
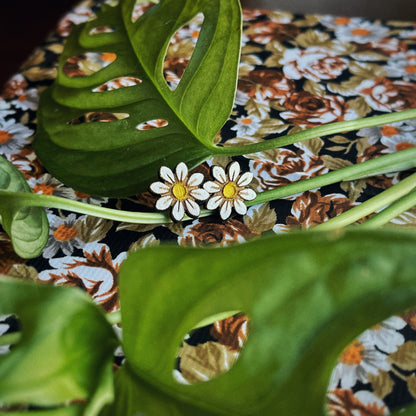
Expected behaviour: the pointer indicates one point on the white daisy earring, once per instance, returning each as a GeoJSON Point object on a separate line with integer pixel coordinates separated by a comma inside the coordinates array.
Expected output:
{"type": "Point", "coordinates": [179, 192]}
{"type": "Point", "coordinates": [229, 190]}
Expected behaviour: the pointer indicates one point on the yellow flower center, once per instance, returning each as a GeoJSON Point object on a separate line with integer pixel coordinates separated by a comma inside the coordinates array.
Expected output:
{"type": "Point", "coordinates": [353, 354]}
{"type": "Point", "coordinates": [230, 190]}
{"type": "Point", "coordinates": [180, 191]}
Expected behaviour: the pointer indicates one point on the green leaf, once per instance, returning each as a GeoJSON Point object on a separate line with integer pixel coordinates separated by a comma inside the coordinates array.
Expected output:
{"type": "Point", "coordinates": [115, 158]}
{"type": "Point", "coordinates": [65, 352]}
{"type": "Point", "coordinates": [27, 227]}
{"type": "Point", "coordinates": [307, 296]}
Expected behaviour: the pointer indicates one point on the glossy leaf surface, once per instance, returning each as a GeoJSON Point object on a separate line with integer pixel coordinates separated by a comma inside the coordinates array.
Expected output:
{"type": "Point", "coordinates": [64, 354]}
{"type": "Point", "coordinates": [27, 227]}
{"type": "Point", "coordinates": [116, 158]}
{"type": "Point", "coordinates": [307, 296]}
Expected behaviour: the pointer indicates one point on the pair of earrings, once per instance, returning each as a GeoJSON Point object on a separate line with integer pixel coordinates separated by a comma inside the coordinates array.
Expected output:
{"type": "Point", "coordinates": [183, 194]}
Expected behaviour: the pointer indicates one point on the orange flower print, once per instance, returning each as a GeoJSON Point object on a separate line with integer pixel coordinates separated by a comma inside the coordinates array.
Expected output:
{"type": "Point", "coordinates": [361, 31]}
{"type": "Point", "coordinates": [383, 94]}
{"type": "Point", "coordinates": [64, 236]}
{"type": "Point", "coordinates": [344, 402]}
{"type": "Point", "coordinates": [209, 232]}
{"type": "Point", "coordinates": [232, 332]}
{"type": "Point", "coordinates": [311, 208]}
{"type": "Point", "coordinates": [313, 63]}
{"type": "Point", "coordinates": [48, 185]}
{"type": "Point", "coordinates": [267, 31]}
{"type": "Point", "coordinates": [95, 272]}
{"type": "Point", "coordinates": [289, 167]}
{"type": "Point", "coordinates": [269, 84]}
{"type": "Point", "coordinates": [402, 65]}
{"type": "Point", "coordinates": [13, 136]}
{"type": "Point", "coordinates": [308, 110]}
{"type": "Point", "coordinates": [356, 361]}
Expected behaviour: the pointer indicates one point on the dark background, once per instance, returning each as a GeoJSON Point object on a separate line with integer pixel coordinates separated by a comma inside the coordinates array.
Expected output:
{"type": "Point", "coordinates": [25, 24]}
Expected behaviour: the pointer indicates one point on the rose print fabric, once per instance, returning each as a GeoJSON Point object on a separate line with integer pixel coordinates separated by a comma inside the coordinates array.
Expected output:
{"type": "Point", "coordinates": [296, 72]}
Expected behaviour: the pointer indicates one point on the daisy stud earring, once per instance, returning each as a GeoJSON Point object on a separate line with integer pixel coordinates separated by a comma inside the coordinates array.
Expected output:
{"type": "Point", "coordinates": [179, 192]}
{"type": "Point", "coordinates": [229, 190]}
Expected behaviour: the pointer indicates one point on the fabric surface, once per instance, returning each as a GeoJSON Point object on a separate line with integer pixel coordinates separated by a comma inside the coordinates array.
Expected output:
{"type": "Point", "coordinates": [296, 72]}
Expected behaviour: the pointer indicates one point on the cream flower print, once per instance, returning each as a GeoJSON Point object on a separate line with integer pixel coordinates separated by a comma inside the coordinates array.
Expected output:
{"type": "Point", "coordinates": [356, 361]}
{"type": "Point", "coordinates": [179, 192]}
{"type": "Point", "coordinates": [229, 190]}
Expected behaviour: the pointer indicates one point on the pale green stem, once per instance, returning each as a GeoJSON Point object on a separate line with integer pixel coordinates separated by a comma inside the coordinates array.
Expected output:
{"type": "Point", "coordinates": [374, 204]}
{"type": "Point", "coordinates": [113, 317]}
{"type": "Point", "coordinates": [391, 212]}
{"type": "Point", "coordinates": [23, 199]}
{"type": "Point", "coordinates": [403, 160]}
{"type": "Point", "coordinates": [10, 339]}
{"type": "Point", "coordinates": [394, 162]}
{"type": "Point", "coordinates": [325, 130]}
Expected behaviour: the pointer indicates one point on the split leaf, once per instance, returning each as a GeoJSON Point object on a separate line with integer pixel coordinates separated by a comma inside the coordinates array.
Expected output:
{"type": "Point", "coordinates": [65, 352]}
{"type": "Point", "coordinates": [307, 295]}
{"type": "Point", "coordinates": [122, 157]}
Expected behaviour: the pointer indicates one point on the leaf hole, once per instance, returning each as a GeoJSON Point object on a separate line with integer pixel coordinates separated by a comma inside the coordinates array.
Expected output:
{"type": "Point", "coordinates": [88, 63]}
{"type": "Point", "coordinates": [117, 83]}
{"type": "Point", "coordinates": [180, 50]}
{"type": "Point", "coordinates": [102, 29]}
{"type": "Point", "coordinates": [140, 8]}
{"type": "Point", "coordinates": [153, 124]}
{"type": "Point", "coordinates": [210, 350]}
{"type": "Point", "coordinates": [10, 331]}
{"type": "Point", "coordinates": [99, 116]}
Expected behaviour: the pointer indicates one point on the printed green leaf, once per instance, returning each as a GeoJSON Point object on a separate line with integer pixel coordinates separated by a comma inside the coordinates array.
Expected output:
{"type": "Point", "coordinates": [27, 226]}
{"type": "Point", "coordinates": [64, 354]}
{"type": "Point", "coordinates": [116, 158]}
{"type": "Point", "coordinates": [307, 295]}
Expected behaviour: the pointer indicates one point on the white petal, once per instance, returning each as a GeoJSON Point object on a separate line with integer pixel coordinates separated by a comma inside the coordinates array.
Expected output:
{"type": "Point", "coordinates": [240, 206]}
{"type": "Point", "coordinates": [233, 171]}
{"type": "Point", "coordinates": [195, 179]}
{"type": "Point", "coordinates": [178, 211]}
{"type": "Point", "coordinates": [159, 188]}
{"type": "Point", "coordinates": [247, 194]}
{"type": "Point", "coordinates": [166, 174]}
{"type": "Point", "coordinates": [212, 187]}
{"type": "Point", "coordinates": [245, 179]}
{"type": "Point", "coordinates": [164, 202]}
{"type": "Point", "coordinates": [181, 172]}
{"type": "Point", "coordinates": [225, 211]}
{"type": "Point", "coordinates": [192, 208]}
{"type": "Point", "coordinates": [219, 174]}
{"type": "Point", "coordinates": [200, 194]}
{"type": "Point", "coordinates": [214, 202]}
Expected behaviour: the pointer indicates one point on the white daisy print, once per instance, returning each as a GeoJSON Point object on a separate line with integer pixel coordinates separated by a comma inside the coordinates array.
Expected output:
{"type": "Point", "coordinates": [13, 136]}
{"type": "Point", "coordinates": [246, 125]}
{"type": "Point", "coordinates": [385, 336]}
{"type": "Point", "coordinates": [361, 32]}
{"type": "Point", "coordinates": [179, 192]}
{"type": "Point", "coordinates": [402, 65]}
{"type": "Point", "coordinates": [5, 109]}
{"type": "Point", "coordinates": [356, 361]}
{"type": "Point", "coordinates": [229, 190]}
{"type": "Point", "coordinates": [64, 235]}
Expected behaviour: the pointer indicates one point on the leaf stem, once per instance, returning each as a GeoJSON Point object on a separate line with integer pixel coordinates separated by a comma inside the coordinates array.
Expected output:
{"type": "Point", "coordinates": [325, 130]}
{"type": "Point", "coordinates": [113, 318]}
{"type": "Point", "coordinates": [374, 204]}
{"type": "Point", "coordinates": [393, 211]}
{"type": "Point", "coordinates": [10, 339]}
{"type": "Point", "coordinates": [394, 162]}
{"type": "Point", "coordinates": [23, 199]}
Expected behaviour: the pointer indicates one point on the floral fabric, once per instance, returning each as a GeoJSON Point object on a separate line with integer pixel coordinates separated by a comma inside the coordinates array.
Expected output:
{"type": "Point", "coordinates": [296, 72]}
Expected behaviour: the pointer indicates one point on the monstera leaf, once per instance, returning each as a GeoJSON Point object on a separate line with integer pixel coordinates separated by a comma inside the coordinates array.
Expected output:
{"type": "Point", "coordinates": [63, 359]}
{"type": "Point", "coordinates": [27, 226]}
{"type": "Point", "coordinates": [122, 156]}
{"type": "Point", "coordinates": [307, 295]}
